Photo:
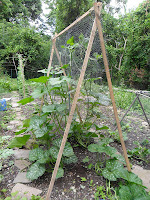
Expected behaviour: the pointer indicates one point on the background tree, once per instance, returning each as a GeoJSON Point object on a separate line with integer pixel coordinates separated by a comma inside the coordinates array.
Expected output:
{"type": "Point", "coordinates": [18, 10]}
{"type": "Point", "coordinates": [136, 65]}
{"type": "Point", "coordinates": [33, 46]}
{"type": "Point", "coordinates": [64, 12]}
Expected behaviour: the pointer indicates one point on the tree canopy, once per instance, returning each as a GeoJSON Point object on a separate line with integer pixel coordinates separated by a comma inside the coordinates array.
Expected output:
{"type": "Point", "coordinates": [126, 37]}
{"type": "Point", "coordinates": [17, 10]}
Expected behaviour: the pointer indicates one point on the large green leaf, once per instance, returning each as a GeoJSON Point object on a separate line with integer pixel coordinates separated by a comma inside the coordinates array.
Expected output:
{"type": "Point", "coordinates": [19, 141]}
{"type": "Point", "coordinates": [54, 152]}
{"type": "Point", "coordinates": [36, 154]}
{"type": "Point", "coordinates": [26, 100]}
{"type": "Point", "coordinates": [112, 170]}
{"type": "Point", "coordinates": [40, 132]}
{"type": "Point", "coordinates": [42, 79]}
{"type": "Point", "coordinates": [132, 192]}
{"type": "Point", "coordinates": [49, 109]}
{"type": "Point", "coordinates": [61, 107]}
{"type": "Point", "coordinates": [96, 148]}
{"type": "Point", "coordinates": [36, 170]}
{"type": "Point", "coordinates": [109, 150]}
{"type": "Point", "coordinates": [71, 41]}
{"type": "Point", "coordinates": [68, 150]}
{"type": "Point", "coordinates": [91, 134]}
{"type": "Point", "coordinates": [109, 175]}
{"type": "Point", "coordinates": [113, 165]}
{"type": "Point", "coordinates": [26, 123]}
{"type": "Point", "coordinates": [71, 159]}
{"type": "Point", "coordinates": [22, 131]}
{"type": "Point", "coordinates": [102, 99]}
{"type": "Point", "coordinates": [57, 142]}
{"type": "Point", "coordinates": [38, 92]}
{"type": "Point", "coordinates": [60, 173]}
{"type": "Point", "coordinates": [130, 177]}
{"type": "Point", "coordinates": [118, 157]}
{"type": "Point", "coordinates": [39, 155]}
{"type": "Point", "coordinates": [124, 193]}
{"type": "Point", "coordinates": [37, 121]}
{"type": "Point", "coordinates": [105, 141]}
{"type": "Point", "coordinates": [55, 81]}
{"type": "Point", "coordinates": [101, 127]}
{"type": "Point", "coordinates": [66, 78]}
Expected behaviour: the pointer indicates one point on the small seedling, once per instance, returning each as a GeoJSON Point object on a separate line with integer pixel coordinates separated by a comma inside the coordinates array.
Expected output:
{"type": "Point", "coordinates": [83, 179]}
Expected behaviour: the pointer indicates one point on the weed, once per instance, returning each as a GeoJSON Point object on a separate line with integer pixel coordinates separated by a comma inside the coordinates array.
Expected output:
{"type": "Point", "coordinates": [4, 152]}
{"type": "Point", "coordinates": [103, 193]}
{"type": "Point", "coordinates": [141, 151]}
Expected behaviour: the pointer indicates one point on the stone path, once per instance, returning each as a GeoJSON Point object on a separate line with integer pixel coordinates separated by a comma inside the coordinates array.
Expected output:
{"type": "Point", "coordinates": [21, 156]}
{"type": "Point", "coordinates": [25, 191]}
{"type": "Point", "coordinates": [14, 124]}
{"type": "Point", "coordinates": [143, 174]}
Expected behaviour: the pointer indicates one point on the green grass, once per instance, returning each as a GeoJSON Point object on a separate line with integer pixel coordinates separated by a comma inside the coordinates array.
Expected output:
{"type": "Point", "coordinates": [7, 84]}
{"type": "Point", "coordinates": [124, 99]}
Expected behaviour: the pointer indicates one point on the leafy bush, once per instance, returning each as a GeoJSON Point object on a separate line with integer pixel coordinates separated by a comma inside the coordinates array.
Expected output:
{"type": "Point", "coordinates": [7, 84]}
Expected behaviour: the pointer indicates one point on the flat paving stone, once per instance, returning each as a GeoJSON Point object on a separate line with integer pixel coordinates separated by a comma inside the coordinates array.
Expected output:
{"type": "Point", "coordinates": [21, 178]}
{"type": "Point", "coordinates": [17, 109]}
{"type": "Point", "coordinates": [25, 191]}
{"type": "Point", "coordinates": [10, 127]}
{"type": "Point", "coordinates": [20, 153]}
{"type": "Point", "coordinates": [19, 117]}
{"type": "Point", "coordinates": [14, 105]}
{"type": "Point", "coordinates": [143, 174]}
{"type": "Point", "coordinates": [21, 164]}
{"type": "Point", "coordinates": [15, 122]}
{"type": "Point", "coordinates": [14, 99]}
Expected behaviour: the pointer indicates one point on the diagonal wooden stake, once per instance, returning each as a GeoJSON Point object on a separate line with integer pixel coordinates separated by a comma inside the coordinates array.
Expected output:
{"type": "Point", "coordinates": [77, 109]}
{"type": "Point", "coordinates": [110, 84]}
{"type": "Point", "coordinates": [84, 66]}
{"type": "Point", "coordinates": [51, 56]}
{"type": "Point", "coordinates": [49, 67]}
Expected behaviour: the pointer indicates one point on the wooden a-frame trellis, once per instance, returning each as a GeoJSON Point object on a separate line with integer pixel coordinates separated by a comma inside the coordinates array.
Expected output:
{"type": "Point", "coordinates": [96, 25]}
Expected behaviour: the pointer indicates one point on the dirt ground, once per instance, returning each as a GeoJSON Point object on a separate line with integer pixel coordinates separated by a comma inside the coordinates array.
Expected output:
{"type": "Point", "coordinates": [71, 186]}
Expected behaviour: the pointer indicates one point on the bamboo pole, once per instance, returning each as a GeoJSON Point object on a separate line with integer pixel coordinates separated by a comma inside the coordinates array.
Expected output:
{"type": "Point", "coordinates": [49, 67]}
{"type": "Point", "coordinates": [72, 110]}
{"type": "Point", "coordinates": [110, 84]}
{"type": "Point", "coordinates": [51, 56]}
{"type": "Point", "coordinates": [77, 109]}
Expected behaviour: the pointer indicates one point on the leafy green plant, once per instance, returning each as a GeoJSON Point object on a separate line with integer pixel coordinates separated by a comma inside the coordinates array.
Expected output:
{"type": "Point", "coordinates": [132, 191]}
{"type": "Point", "coordinates": [83, 179]}
{"type": "Point", "coordinates": [103, 193]}
{"type": "Point", "coordinates": [7, 84]}
{"type": "Point", "coordinates": [15, 196]}
{"type": "Point", "coordinates": [112, 169]}
{"type": "Point", "coordinates": [40, 157]}
{"type": "Point", "coordinates": [141, 151]}
{"type": "Point", "coordinates": [81, 133]}
{"type": "Point", "coordinates": [116, 137]}
{"type": "Point", "coordinates": [4, 152]}
{"type": "Point", "coordinates": [6, 117]}
{"type": "Point", "coordinates": [45, 127]}
{"type": "Point", "coordinates": [123, 98]}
